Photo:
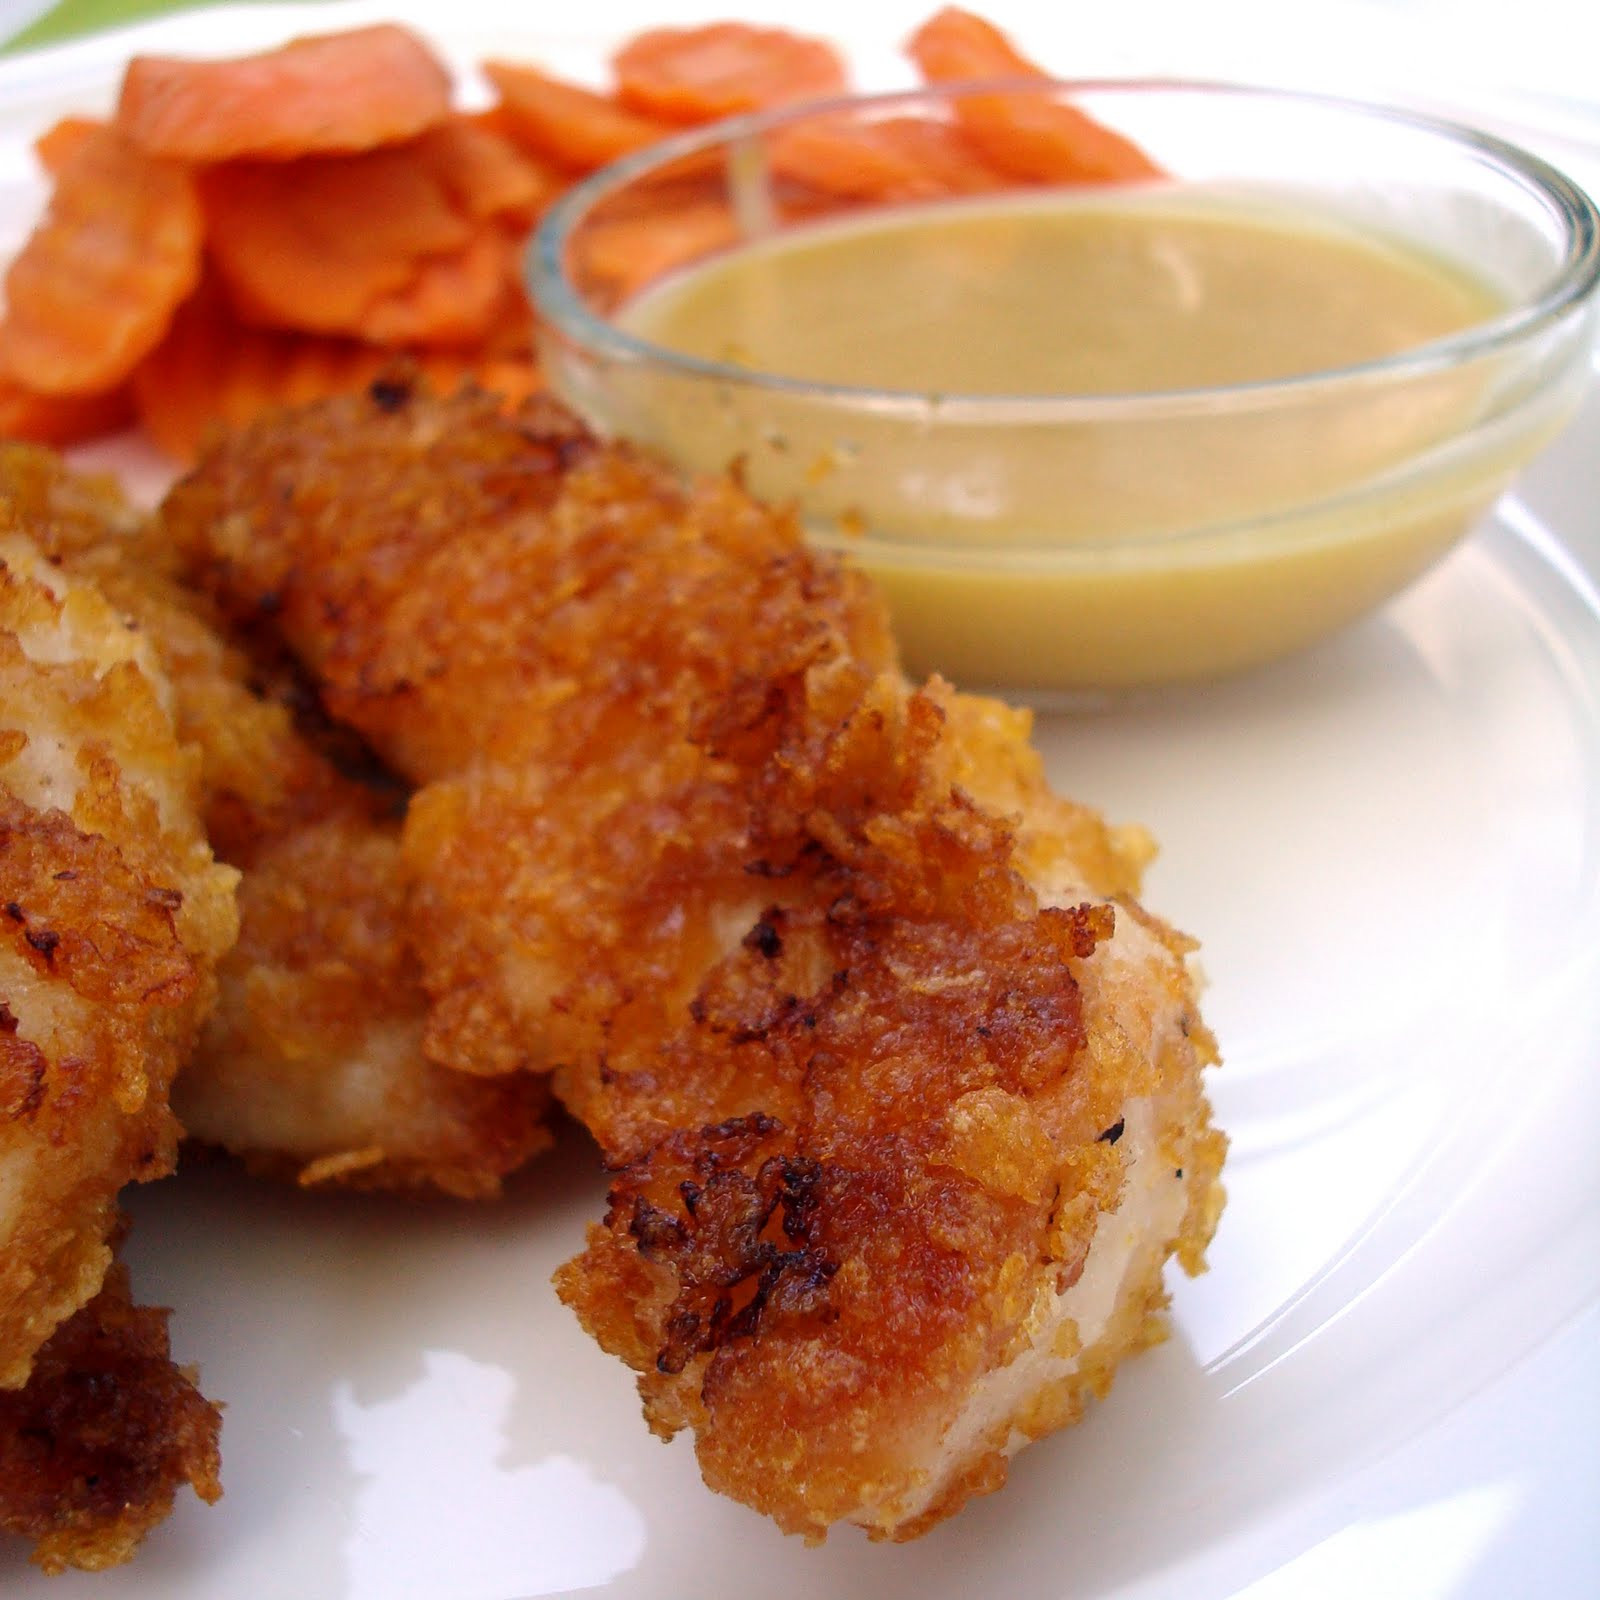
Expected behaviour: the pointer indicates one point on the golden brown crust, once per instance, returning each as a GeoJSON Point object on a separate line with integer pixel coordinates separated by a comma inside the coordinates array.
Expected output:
{"type": "Point", "coordinates": [504, 585]}
{"type": "Point", "coordinates": [112, 917]}
{"type": "Point", "coordinates": [311, 1065]}
{"type": "Point", "coordinates": [855, 1007]}
{"type": "Point", "coordinates": [95, 1446]}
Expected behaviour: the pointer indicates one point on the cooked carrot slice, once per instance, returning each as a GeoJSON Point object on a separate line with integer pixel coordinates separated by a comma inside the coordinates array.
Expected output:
{"type": "Point", "coordinates": [94, 288]}
{"type": "Point", "coordinates": [624, 253]}
{"type": "Point", "coordinates": [692, 75]}
{"type": "Point", "coordinates": [486, 174]}
{"type": "Point", "coordinates": [897, 158]}
{"type": "Point", "coordinates": [61, 419]}
{"type": "Point", "coordinates": [574, 126]}
{"type": "Point", "coordinates": [175, 387]}
{"type": "Point", "coordinates": [512, 333]}
{"type": "Point", "coordinates": [332, 92]}
{"type": "Point", "coordinates": [304, 369]}
{"type": "Point", "coordinates": [1037, 137]}
{"type": "Point", "coordinates": [954, 44]}
{"type": "Point", "coordinates": [312, 244]}
{"type": "Point", "coordinates": [212, 372]}
{"type": "Point", "coordinates": [450, 299]}
{"type": "Point", "coordinates": [513, 378]}
{"type": "Point", "coordinates": [497, 120]}
{"type": "Point", "coordinates": [56, 146]}
{"type": "Point", "coordinates": [1044, 140]}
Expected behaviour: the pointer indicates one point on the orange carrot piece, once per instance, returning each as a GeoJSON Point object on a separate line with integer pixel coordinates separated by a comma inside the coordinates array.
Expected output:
{"type": "Point", "coordinates": [897, 158]}
{"type": "Point", "coordinates": [497, 120]}
{"type": "Point", "coordinates": [61, 419]}
{"type": "Point", "coordinates": [56, 146]}
{"type": "Point", "coordinates": [212, 372]}
{"type": "Point", "coordinates": [1031, 136]}
{"type": "Point", "coordinates": [625, 253]}
{"type": "Point", "coordinates": [954, 44]}
{"type": "Point", "coordinates": [312, 244]}
{"type": "Point", "coordinates": [693, 75]}
{"type": "Point", "coordinates": [486, 174]}
{"type": "Point", "coordinates": [175, 388]}
{"type": "Point", "coordinates": [331, 92]}
{"type": "Point", "coordinates": [450, 299]}
{"type": "Point", "coordinates": [95, 286]}
{"type": "Point", "coordinates": [573, 126]}
{"type": "Point", "coordinates": [513, 378]}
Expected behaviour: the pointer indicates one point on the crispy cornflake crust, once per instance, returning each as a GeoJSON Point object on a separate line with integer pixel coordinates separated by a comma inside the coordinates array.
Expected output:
{"type": "Point", "coordinates": [113, 915]}
{"type": "Point", "coordinates": [880, 1047]}
{"type": "Point", "coordinates": [310, 1066]}
{"type": "Point", "coordinates": [95, 1446]}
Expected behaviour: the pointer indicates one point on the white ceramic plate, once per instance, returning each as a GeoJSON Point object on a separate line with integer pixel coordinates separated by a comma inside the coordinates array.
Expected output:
{"type": "Point", "coordinates": [1391, 848]}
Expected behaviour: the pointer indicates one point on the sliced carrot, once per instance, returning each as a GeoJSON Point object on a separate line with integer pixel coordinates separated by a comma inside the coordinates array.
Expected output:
{"type": "Point", "coordinates": [1044, 140]}
{"type": "Point", "coordinates": [56, 146]}
{"type": "Point", "coordinates": [312, 244]}
{"type": "Point", "coordinates": [61, 419]}
{"type": "Point", "coordinates": [954, 44]}
{"type": "Point", "coordinates": [576, 127]}
{"type": "Point", "coordinates": [513, 378]}
{"type": "Point", "coordinates": [1038, 137]}
{"type": "Point", "coordinates": [212, 372]}
{"type": "Point", "coordinates": [486, 174]}
{"type": "Point", "coordinates": [897, 158]}
{"type": "Point", "coordinates": [95, 286]}
{"type": "Point", "coordinates": [693, 75]}
{"type": "Point", "coordinates": [497, 120]}
{"type": "Point", "coordinates": [450, 299]}
{"type": "Point", "coordinates": [303, 369]}
{"type": "Point", "coordinates": [332, 92]}
{"type": "Point", "coordinates": [512, 333]}
{"type": "Point", "coordinates": [175, 387]}
{"type": "Point", "coordinates": [622, 254]}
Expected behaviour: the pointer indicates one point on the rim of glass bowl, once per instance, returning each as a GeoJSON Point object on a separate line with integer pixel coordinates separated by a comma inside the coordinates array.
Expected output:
{"type": "Point", "coordinates": [1573, 280]}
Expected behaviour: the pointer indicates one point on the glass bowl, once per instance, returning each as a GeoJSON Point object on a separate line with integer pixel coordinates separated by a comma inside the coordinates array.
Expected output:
{"type": "Point", "coordinates": [1051, 543]}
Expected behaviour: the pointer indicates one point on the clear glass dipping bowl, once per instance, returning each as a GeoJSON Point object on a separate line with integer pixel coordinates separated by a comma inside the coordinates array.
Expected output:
{"type": "Point", "coordinates": [1323, 495]}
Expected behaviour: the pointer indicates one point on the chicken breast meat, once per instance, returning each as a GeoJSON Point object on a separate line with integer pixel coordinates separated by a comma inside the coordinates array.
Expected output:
{"type": "Point", "coordinates": [900, 1085]}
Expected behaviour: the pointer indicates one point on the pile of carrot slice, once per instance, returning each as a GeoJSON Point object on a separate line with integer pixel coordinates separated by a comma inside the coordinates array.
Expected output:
{"type": "Point", "coordinates": [248, 233]}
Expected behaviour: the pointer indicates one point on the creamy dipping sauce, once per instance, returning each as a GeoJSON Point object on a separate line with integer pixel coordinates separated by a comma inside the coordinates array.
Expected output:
{"type": "Point", "coordinates": [1058, 297]}
{"type": "Point", "coordinates": [1046, 545]}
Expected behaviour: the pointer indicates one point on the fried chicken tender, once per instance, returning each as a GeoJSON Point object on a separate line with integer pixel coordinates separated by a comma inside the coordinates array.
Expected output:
{"type": "Point", "coordinates": [311, 1063]}
{"type": "Point", "coordinates": [901, 1086]}
{"type": "Point", "coordinates": [94, 1447]}
{"type": "Point", "coordinates": [113, 916]}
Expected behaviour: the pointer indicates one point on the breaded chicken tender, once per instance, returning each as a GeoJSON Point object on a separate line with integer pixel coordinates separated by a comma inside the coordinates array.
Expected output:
{"type": "Point", "coordinates": [96, 1444]}
{"type": "Point", "coordinates": [311, 1063]}
{"type": "Point", "coordinates": [113, 916]}
{"type": "Point", "coordinates": [900, 1084]}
